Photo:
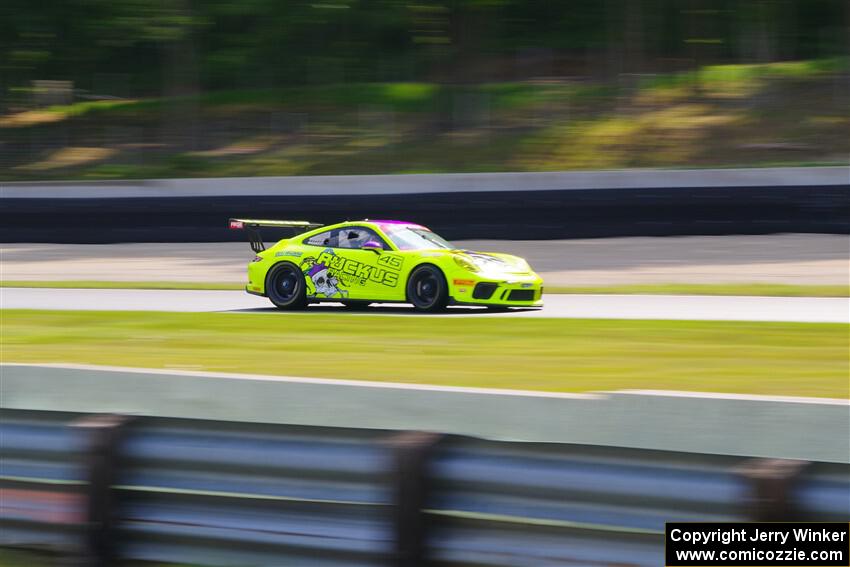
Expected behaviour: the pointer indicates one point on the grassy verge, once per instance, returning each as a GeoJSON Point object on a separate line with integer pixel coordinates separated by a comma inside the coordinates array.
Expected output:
{"type": "Point", "coordinates": [753, 289]}
{"type": "Point", "coordinates": [540, 354]}
{"type": "Point", "coordinates": [25, 558]}
{"type": "Point", "coordinates": [31, 558]}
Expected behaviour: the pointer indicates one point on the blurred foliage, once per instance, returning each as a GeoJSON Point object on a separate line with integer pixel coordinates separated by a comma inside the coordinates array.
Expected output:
{"type": "Point", "coordinates": [103, 89]}
{"type": "Point", "coordinates": [213, 44]}
{"type": "Point", "coordinates": [729, 115]}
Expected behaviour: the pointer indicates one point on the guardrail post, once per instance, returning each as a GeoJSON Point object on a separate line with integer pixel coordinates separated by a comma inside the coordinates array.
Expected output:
{"type": "Point", "coordinates": [412, 451]}
{"type": "Point", "coordinates": [104, 435]}
{"type": "Point", "coordinates": [770, 488]}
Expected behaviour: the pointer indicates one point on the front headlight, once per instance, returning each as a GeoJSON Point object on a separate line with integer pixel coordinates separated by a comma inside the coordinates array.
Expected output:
{"type": "Point", "coordinates": [465, 263]}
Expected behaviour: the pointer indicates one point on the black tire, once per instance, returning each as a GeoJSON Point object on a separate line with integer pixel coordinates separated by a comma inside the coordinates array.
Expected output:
{"type": "Point", "coordinates": [356, 304]}
{"type": "Point", "coordinates": [427, 289]}
{"type": "Point", "coordinates": [285, 287]}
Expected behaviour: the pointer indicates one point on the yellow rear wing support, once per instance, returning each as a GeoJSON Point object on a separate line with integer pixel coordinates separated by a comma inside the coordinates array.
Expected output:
{"type": "Point", "coordinates": [252, 227]}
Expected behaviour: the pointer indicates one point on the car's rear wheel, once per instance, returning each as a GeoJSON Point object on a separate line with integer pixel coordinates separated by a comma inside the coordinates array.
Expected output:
{"type": "Point", "coordinates": [427, 289]}
{"type": "Point", "coordinates": [285, 287]}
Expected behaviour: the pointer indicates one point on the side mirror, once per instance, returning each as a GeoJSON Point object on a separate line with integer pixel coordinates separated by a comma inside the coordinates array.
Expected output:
{"type": "Point", "coordinates": [375, 247]}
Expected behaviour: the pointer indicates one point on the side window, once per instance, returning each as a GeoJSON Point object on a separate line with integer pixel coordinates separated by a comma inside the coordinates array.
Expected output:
{"type": "Point", "coordinates": [327, 238]}
{"type": "Point", "coordinates": [357, 236]}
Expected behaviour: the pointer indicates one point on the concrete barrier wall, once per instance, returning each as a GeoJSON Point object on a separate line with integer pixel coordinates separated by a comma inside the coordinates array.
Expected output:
{"type": "Point", "coordinates": [790, 428]}
{"type": "Point", "coordinates": [344, 185]}
{"type": "Point", "coordinates": [503, 205]}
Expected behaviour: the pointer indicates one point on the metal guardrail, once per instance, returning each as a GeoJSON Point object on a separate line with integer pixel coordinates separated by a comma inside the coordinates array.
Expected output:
{"type": "Point", "coordinates": [824, 493]}
{"type": "Point", "coordinates": [42, 491]}
{"type": "Point", "coordinates": [504, 504]}
{"type": "Point", "coordinates": [223, 493]}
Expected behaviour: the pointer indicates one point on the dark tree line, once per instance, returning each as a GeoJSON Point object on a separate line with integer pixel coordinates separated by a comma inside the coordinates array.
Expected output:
{"type": "Point", "coordinates": [149, 47]}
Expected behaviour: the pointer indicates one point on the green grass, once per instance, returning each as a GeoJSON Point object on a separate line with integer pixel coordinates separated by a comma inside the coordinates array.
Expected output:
{"type": "Point", "coordinates": [538, 354]}
{"type": "Point", "coordinates": [749, 289]}
{"type": "Point", "coordinates": [24, 558]}
{"type": "Point", "coordinates": [48, 558]}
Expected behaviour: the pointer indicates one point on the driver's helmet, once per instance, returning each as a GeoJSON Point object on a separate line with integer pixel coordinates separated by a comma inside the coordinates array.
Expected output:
{"type": "Point", "coordinates": [353, 238]}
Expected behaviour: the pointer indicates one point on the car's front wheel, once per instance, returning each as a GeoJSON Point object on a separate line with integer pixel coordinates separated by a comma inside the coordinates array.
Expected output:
{"type": "Point", "coordinates": [427, 289]}
{"type": "Point", "coordinates": [285, 287]}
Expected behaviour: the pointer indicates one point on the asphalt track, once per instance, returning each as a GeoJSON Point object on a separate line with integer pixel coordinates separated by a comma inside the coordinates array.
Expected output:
{"type": "Point", "coordinates": [798, 259]}
{"type": "Point", "coordinates": [667, 307]}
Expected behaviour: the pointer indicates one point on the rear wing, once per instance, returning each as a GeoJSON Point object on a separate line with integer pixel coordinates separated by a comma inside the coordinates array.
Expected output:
{"type": "Point", "coordinates": [252, 227]}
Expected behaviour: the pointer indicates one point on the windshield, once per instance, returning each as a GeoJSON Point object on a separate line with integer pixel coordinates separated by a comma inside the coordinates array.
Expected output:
{"type": "Point", "coordinates": [409, 238]}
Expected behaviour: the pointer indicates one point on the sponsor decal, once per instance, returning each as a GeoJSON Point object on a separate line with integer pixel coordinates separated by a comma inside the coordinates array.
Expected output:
{"type": "Point", "coordinates": [292, 253]}
{"type": "Point", "coordinates": [357, 271]}
{"type": "Point", "coordinates": [331, 274]}
{"type": "Point", "coordinates": [527, 285]}
{"type": "Point", "coordinates": [321, 279]}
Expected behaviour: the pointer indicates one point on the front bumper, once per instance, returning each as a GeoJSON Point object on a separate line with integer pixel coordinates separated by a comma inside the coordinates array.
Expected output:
{"type": "Point", "coordinates": [512, 290]}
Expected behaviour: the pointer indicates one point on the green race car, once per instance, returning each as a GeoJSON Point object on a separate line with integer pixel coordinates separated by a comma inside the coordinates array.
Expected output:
{"type": "Point", "coordinates": [382, 261]}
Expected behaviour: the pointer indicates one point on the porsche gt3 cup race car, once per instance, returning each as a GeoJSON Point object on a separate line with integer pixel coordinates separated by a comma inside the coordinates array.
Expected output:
{"type": "Point", "coordinates": [382, 261]}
